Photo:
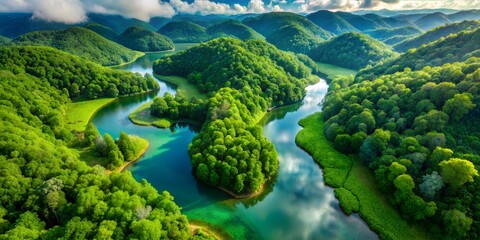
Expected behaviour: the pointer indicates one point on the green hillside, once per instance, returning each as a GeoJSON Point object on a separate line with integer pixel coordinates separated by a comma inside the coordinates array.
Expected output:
{"type": "Point", "coordinates": [330, 21]}
{"type": "Point", "coordinates": [4, 40]}
{"type": "Point", "coordinates": [74, 76]}
{"type": "Point", "coordinates": [454, 48]}
{"type": "Point", "coordinates": [81, 42]}
{"type": "Point", "coordinates": [386, 33]}
{"type": "Point", "coordinates": [298, 40]}
{"type": "Point", "coordinates": [352, 50]}
{"type": "Point", "coordinates": [47, 191]}
{"type": "Point", "coordinates": [436, 34]}
{"type": "Point", "coordinates": [106, 32]}
{"type": "Point", "coordinates": [267, 23]}
{"type": "Point", "coordinates": [432, 20]}
{"type": "Point", "coordinates": [233, 28]}
{"type": "Point", "coordinates": [144, 40]}
{"type": "Point", "coordinates": [243, 79]}
{"type": "Point", "coordinates": [184, 32]}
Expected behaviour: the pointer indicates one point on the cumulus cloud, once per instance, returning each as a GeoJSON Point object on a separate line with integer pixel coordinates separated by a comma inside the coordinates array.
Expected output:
{"type": "Point", "coordinates": [256, 6]}
{"type": "Point", "coordinates": [206, 7]}
{"type": "Point", "coordinates": [140, 9]}
{"type": "Point", "coordinates": [68, 11]}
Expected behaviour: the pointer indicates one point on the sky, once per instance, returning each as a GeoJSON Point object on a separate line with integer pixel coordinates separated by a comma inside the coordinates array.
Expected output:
{"type": "Point", "coordinates": [74, 11]}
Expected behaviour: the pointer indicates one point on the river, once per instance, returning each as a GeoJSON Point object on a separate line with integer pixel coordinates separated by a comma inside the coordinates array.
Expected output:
{"type": "Point", "coordinates": [297, 205]}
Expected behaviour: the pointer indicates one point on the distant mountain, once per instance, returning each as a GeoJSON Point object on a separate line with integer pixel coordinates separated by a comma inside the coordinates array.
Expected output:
{"type": "Point", "coordinates": [106, 32]}
{"type": "Point", "coordinates": [330, 21]}
{"type": "Point", "coordinates": [387, 21]}
{"type": "Point", "coordinates": [119, 23]}
{"type": "Point", "coordinates": [435, 34]}
{"type": "Point", "coordinates": [81, 42]}
{"type": "Point", "coordinates": [13, 25]}
{"type": "Point", "coordinates": [202, 20]}
{"type": "Point", "coordinates": [465, 15]}
{"type": "Point", "coordinates": [386, 33]}
{"type": "Point", "coordinates": [352, 50]}
{"type": "Point", "coordinates": [432, 20]}
{"type": "Point", "coordinates": [184, 31]}
{"type": "Point", "coordinates": [267, 23]}
{"type": "Point", "coordinates": [395, 40]}
{"type": "Point", "coordinates": [159, 22]}
{"type": "Point", "coordinates": [299, 40]}
{"type": "Point", "coordinates": [360, 22]}
{"type": "Point", "coordinates": [454, 48]}
{"type": "Point", "coordinates": [394, 13]}
{"type": "Point", "coordinates": [288, 31]}
{"type": "Point", "coordinates": [233, 28]}
{"type": "Point", "coordinates": [4, 40]}
{"type": "Point", "coordinates": [143, 40]}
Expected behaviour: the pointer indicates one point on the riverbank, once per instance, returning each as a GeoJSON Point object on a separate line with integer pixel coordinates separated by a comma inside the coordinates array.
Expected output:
{"type": "Point", "coordinates": [139, 55]}
{"type": "Point", "coordinates": [141, 147]}
{"type": "Point", "coordinates": [78, 114]}
{"type": "Point", "coordinates": [208, 229]}
{"type": "Point", "coordinates": [348, 174]}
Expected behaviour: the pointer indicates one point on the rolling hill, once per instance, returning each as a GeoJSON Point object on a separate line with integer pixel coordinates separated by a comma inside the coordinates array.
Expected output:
{"type": "Point", "coordinates": [106, 32]}
{"type": "Point", "coordinates": [433, 20]}
{"type": "Point", "coordinates": [233, 28]}
{"type": "Point", "coordinates": [184, 31]}
{"type": "Point", "coordinates": [454, 48]}
{"type": "Point", "coordinates": [299, 40]}
{"type": "Point", "coordinates": [4, 40]}
{"type": "Point", "coordinates": [144, 40]}
{"type": "Point", "coordinates": [386, 33]}
{"type": "Point", "coordinates": [81, 42]}
{"type": "Point", "coordinates": [330, 21]}
{"type": "Point", "coordinates": [352, 50]}
{"type": "Point", "coordinates": [435, 34]}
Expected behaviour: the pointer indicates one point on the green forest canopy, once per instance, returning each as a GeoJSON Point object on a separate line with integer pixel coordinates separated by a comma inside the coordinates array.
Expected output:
{"type": "Point", "coordinates": [81, 42]}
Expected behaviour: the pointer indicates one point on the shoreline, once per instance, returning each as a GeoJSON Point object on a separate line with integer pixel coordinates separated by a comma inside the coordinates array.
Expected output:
{"type": "Point", "coordinates": [243, 196]}
{"type": "Point", "coordinates": [139, 55]}
{"type": "Point", "coordinates": [140, 155]}
{"type": "Point", "coordinates": [208, 229]}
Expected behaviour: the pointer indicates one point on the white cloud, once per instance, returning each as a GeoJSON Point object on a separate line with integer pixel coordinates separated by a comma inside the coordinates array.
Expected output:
{"type": "Point", "coordinates": [256, 6]}
{"type": "Point", "coordinates": [206, 7]}
{"type": "Point", "coordinates": [68, 11]}
{"type": "Point", "coordinates": [140, 9]}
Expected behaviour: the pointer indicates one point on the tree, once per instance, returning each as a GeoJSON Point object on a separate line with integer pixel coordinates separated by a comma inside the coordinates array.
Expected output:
{"type": "Point", "coordinates": [125, 145]}
{"type": "Point", "coordinates": [456, 223]}
{"type": "Point", "coordinates": [52, 193]}
{"type": "Point", "coordinates": [432, 183]}
{"type": "Point", "coordinates": [106, 230]}
{"type": "Point", "coordinates": [457, 172]}
{"type": "Point", "coordinates": [91, 133]}
{"type": "Point", "coordinates": [458, 106]}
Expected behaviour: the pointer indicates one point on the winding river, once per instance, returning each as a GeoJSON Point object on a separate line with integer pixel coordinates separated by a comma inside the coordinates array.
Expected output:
{"type": "Point", "coordinates": [297, 205]}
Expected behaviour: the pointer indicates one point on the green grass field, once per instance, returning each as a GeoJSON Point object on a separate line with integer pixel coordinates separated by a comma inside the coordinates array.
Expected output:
{"type": "Point", "coordinates": [182, 84]}
{"type": "Point", "coordinates": [79, 113]}
{"type": "Point", "coordinates": [332, 71]}
{"type": "Point", "coordinates": [354, 180]}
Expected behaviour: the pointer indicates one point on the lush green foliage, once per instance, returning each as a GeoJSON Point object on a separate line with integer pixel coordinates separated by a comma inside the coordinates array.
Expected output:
{"type": "Point", "coordinates": [47, 193]}
{"type": "Point", "coordinates": [436, 33]}
{"type": "Point", "coordinates": [386, 33]}
{"type": "Point", "coordinates": [432, 20]}
{"type": "Point", "coordinates": [398, 124]}
{"type": "Point", "coordinates": [352, 50]}
{"type": "Point", "coordinates": [454, 48]}
{"type": "Point", "coordinates": [233, 28]}
{"type": "Point", "coordinates": [331, 21]}
{"type": "Point", "coordinates": [354, 184]}
{"type": "Point", "coordinates": [144, 40]}
{"type": "Point", "coordinates": [184, 31]}
{"type": "Point", "coordinates": [288, 31]}
{"type": "Point", "coordinates": [244, 78]}
{"type": "Point", "coordinates": [106, 32]}
{"type": "Point", "coordinates": [72, 75]}
{"type": "Point", "coordinates": [228, 62]}
{"type": "Point", "coordinates": [81, 42]}
{"type": "Point", "coordinates": [4, 40]}
{"type": "Point", "coordinates": [294, 38]}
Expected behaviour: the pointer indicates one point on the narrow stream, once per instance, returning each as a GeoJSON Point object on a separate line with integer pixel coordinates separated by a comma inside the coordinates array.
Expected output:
{"type": "Point", "coordinates": [297, 205]}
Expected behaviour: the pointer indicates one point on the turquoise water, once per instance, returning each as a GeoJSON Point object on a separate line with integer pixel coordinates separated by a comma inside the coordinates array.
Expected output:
{"type": "Point", "coordinates": [297, 205]}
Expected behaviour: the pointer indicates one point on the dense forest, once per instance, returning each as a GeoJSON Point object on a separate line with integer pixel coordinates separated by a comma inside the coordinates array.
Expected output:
{"type": "Point", "coordinates": [454, 48]}
{"type": "Point", "coordinates": [352, 50]}
{"type": "Point", "coordinates": [435, 34]}
{"type": "Point", "coordinates": [332, 22]}
{"type": "Point", "coordinates": [299, 40]}
{"type": "Point", "coordinates": [244, 78]}
{"type": "Point", "coordinates": [104, 31]}
{"type": "Point", "coordinates": [74, 76]}
{"type": "Point", "coordinates": [143, 40]}
{"type": "Point", "coordinates": [384, 34]}
{"type": "Point", "coordinates": [409, 127]}
{"type": "Point", "coordinates": [46, 191]}
{"type": "Point", "coordinates": [232, 28]}
{"type": "Point", "coordinates": [4, 40]}
{"type": "Point", "coordinates": [184, 31]}
{"type": "Point", "coordinates": [81, 42]}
